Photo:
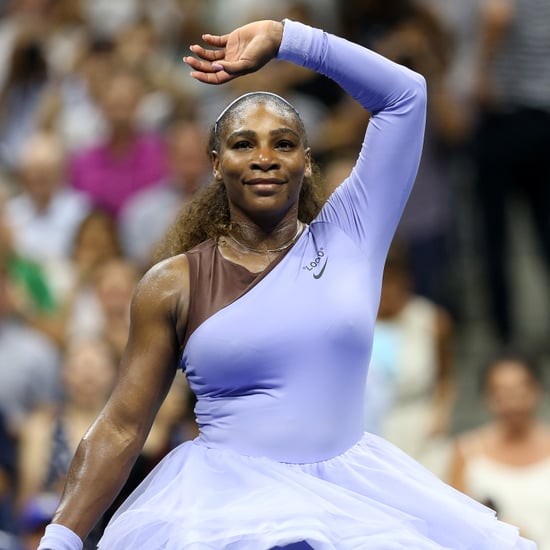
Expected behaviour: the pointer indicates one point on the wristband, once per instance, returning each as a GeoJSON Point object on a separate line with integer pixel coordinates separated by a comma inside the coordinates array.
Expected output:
{"type": "Point", "coordinates": [59, 537]}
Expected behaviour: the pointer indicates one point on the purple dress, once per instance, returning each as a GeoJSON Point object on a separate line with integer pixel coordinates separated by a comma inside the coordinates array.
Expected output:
{"type": "Point", "coordinates": [280, 374]}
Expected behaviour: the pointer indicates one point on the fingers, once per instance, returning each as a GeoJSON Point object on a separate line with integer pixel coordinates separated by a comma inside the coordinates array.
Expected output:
{"type": "Point", "coordinates": [215, 40]}
{"type": "Point", "coordinates": [220, 77]}
{"type": "Point", "coordinates": [208, 72]}
{"type": "Point", "coordinates": [209, 55]}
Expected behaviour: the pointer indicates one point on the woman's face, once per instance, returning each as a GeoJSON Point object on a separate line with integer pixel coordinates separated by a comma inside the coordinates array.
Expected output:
{"type": "Point", "coordinates": [262, 161]}
{"type": "Point", "coordinates": [89, 371]}
{"type": "Point", "coordinates": [512, 393]}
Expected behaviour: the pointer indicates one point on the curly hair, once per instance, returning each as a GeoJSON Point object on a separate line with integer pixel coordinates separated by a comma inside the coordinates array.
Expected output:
{"type": "Point", "coordinates": [207, 215]}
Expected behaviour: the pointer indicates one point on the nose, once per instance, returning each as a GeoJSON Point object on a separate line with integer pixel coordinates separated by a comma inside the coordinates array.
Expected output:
{"type": "Point", "coordinates": [264, 160]}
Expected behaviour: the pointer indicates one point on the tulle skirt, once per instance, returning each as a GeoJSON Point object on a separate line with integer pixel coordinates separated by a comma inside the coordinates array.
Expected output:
{"type": "Point", "coordinates": [373, 496]}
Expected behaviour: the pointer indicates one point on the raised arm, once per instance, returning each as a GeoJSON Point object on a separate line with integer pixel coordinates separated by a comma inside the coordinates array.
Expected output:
{"type": "Point", "coordinates": [370, 202]}
{"type": "Point", "coordinates": [109, 449]}
{"type": "Point", "coordinates": [368, 206]}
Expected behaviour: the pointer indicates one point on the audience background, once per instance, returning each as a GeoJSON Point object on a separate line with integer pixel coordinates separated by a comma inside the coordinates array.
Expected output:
{"type": "Point", "coordinates": [102, 141]}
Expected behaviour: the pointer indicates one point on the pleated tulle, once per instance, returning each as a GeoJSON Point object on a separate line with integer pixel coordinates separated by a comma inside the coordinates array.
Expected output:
{"type": "Point", "coordinates": [371, 497]}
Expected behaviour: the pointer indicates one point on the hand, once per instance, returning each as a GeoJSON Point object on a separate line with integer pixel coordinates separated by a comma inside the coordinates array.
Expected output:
{"type": "Point", "coordinates": [242, 51]}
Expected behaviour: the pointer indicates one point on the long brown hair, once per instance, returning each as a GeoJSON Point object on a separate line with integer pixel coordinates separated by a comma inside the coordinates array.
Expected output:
{"type": "Point", "coordinates": [207, 215]}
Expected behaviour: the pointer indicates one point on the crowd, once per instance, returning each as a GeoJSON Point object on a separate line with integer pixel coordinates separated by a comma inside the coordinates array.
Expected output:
{"type": "Point", "coordinates": [103, 140]}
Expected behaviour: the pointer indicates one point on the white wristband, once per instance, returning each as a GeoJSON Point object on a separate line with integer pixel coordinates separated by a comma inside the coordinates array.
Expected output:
{"type": "Point", "coordinates": [59, 537]}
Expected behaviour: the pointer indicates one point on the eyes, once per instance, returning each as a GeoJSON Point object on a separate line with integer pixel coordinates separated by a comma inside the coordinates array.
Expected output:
{"type": "Point", "coordinates": [282, 145]}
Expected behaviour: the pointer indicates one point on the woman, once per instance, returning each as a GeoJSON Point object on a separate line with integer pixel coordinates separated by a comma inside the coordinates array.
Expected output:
{"type": "Point", "coordinates": [270, 315]}
{"type": "Point", "coordinates": [506, 461]}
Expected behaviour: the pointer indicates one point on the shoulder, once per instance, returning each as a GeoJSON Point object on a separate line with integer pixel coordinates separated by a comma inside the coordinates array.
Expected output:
{"type": "Point", "coordinates": [471, 442]}
{"type": "Point", "coordinates": [163, 291]}
{"type": "Point", "coordinates": [164, 278]}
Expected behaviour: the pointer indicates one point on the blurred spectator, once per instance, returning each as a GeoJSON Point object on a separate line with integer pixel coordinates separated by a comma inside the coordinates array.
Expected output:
{"type": "Point", "coordinates": [95, 244]}
{"type": "Point", "coordinates": [129, 159]}
{"type": "Point", "coordinates": [26, 80]}
{"type": "Point", "coordinates": [148, 214]}
{"type": "Point", "coordinates": [506, 462]}
{"type": "Point", "coordinates": [410, 34]}
{"type": "Point", "coordinates": [7, 478]}
{"type": "Point", "coordinates": [513, 139]}
{"type": "Point", "coordinates": [427, 226]}
{"type": "Point", "coordinates": [19, 16]}
{"type": "Point", "coordinates": [105, 17]}
{"type": "Point", "coordinates": [45, 214]}
{"type": "Point", "coordinates": [29, 369]}
{"type": "Point", "coordinates": [410, 388]}
{"type": "Point", "coordinates": [461, 22]}
{"type": "Point", "coordinates": [70, 105]}
{"type": "Point", "coordinates": [105, 311]}
{"type": "Point", "coordinates": [66, 33]}
{"type": "Point", "coordinates": [49, 437]}
{"type": "Point", "coordinates": [31, 292]}
{"type": "Point", "coordinates": [139, 46]}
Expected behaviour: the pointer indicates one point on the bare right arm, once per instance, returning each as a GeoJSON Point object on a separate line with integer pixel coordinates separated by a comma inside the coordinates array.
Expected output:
{"type": "Point", "coordinates": [110, 447]}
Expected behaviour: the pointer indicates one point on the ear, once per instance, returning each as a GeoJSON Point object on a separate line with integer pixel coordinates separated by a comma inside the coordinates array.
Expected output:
{"type": "Point", "coordinates": [216, 169]}
{"type": "Point", "coordinates": [308, 171]}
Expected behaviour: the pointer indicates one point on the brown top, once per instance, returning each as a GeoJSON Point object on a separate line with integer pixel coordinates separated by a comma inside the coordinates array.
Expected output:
{"type": "Point", "coordinates": [215, 282]}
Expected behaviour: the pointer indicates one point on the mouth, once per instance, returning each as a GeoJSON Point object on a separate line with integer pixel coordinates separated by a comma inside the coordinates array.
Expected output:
{"type": "Point", "coordinates": [264, 186]}
{"type": "Point", "coordinates": [264, 181]}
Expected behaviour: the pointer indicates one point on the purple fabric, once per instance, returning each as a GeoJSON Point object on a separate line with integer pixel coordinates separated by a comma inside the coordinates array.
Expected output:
{"type": "Point", "coordinates": [110, 180]}
{"type": "Point", "coordinates": [281, 371]}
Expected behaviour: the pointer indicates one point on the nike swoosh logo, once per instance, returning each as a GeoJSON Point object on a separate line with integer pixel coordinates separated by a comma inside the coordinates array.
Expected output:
{"type": "Point", "coordinates": [320, 274]}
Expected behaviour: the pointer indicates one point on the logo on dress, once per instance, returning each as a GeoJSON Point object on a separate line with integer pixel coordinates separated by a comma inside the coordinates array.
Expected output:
{"type": "Point", "coordinates": [320, 260]}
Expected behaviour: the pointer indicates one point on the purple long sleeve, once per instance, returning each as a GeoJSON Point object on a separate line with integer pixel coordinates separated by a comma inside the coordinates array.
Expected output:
{"type": "Point", "coordinates": [369, 204]}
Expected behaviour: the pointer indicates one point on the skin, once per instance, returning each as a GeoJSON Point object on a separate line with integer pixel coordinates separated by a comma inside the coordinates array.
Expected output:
{"type": "Point", "coordinates": [260, 146]}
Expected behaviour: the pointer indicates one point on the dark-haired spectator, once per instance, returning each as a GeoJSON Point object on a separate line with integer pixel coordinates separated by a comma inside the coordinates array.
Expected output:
{"type": "Point", "coordinates": [27, 77]}
{"type": "Point", "coordinates": [45, 214]}
{"type": "Point", "coordinates": [128, 159]}
{"type": "Point", "coordinates": [506, 461]}
{"type": "Point", "coordinates": [105, 310]}
{"type": "Point", "coordinates": [147, 215]}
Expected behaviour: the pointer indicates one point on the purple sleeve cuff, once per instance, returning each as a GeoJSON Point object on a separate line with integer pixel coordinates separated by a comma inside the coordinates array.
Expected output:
{"type": "Point", "coordinates": [59, 537]}
{"type": "Point", "coordinates": [296, 42]}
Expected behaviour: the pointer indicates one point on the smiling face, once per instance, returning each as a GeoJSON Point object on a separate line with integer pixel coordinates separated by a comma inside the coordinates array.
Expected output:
{"type": "Point", "coordinates": [262, 159]}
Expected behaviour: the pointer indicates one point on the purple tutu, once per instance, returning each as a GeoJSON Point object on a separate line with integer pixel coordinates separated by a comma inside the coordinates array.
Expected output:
{"type": "Point", "coordinates": [371, 496]}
